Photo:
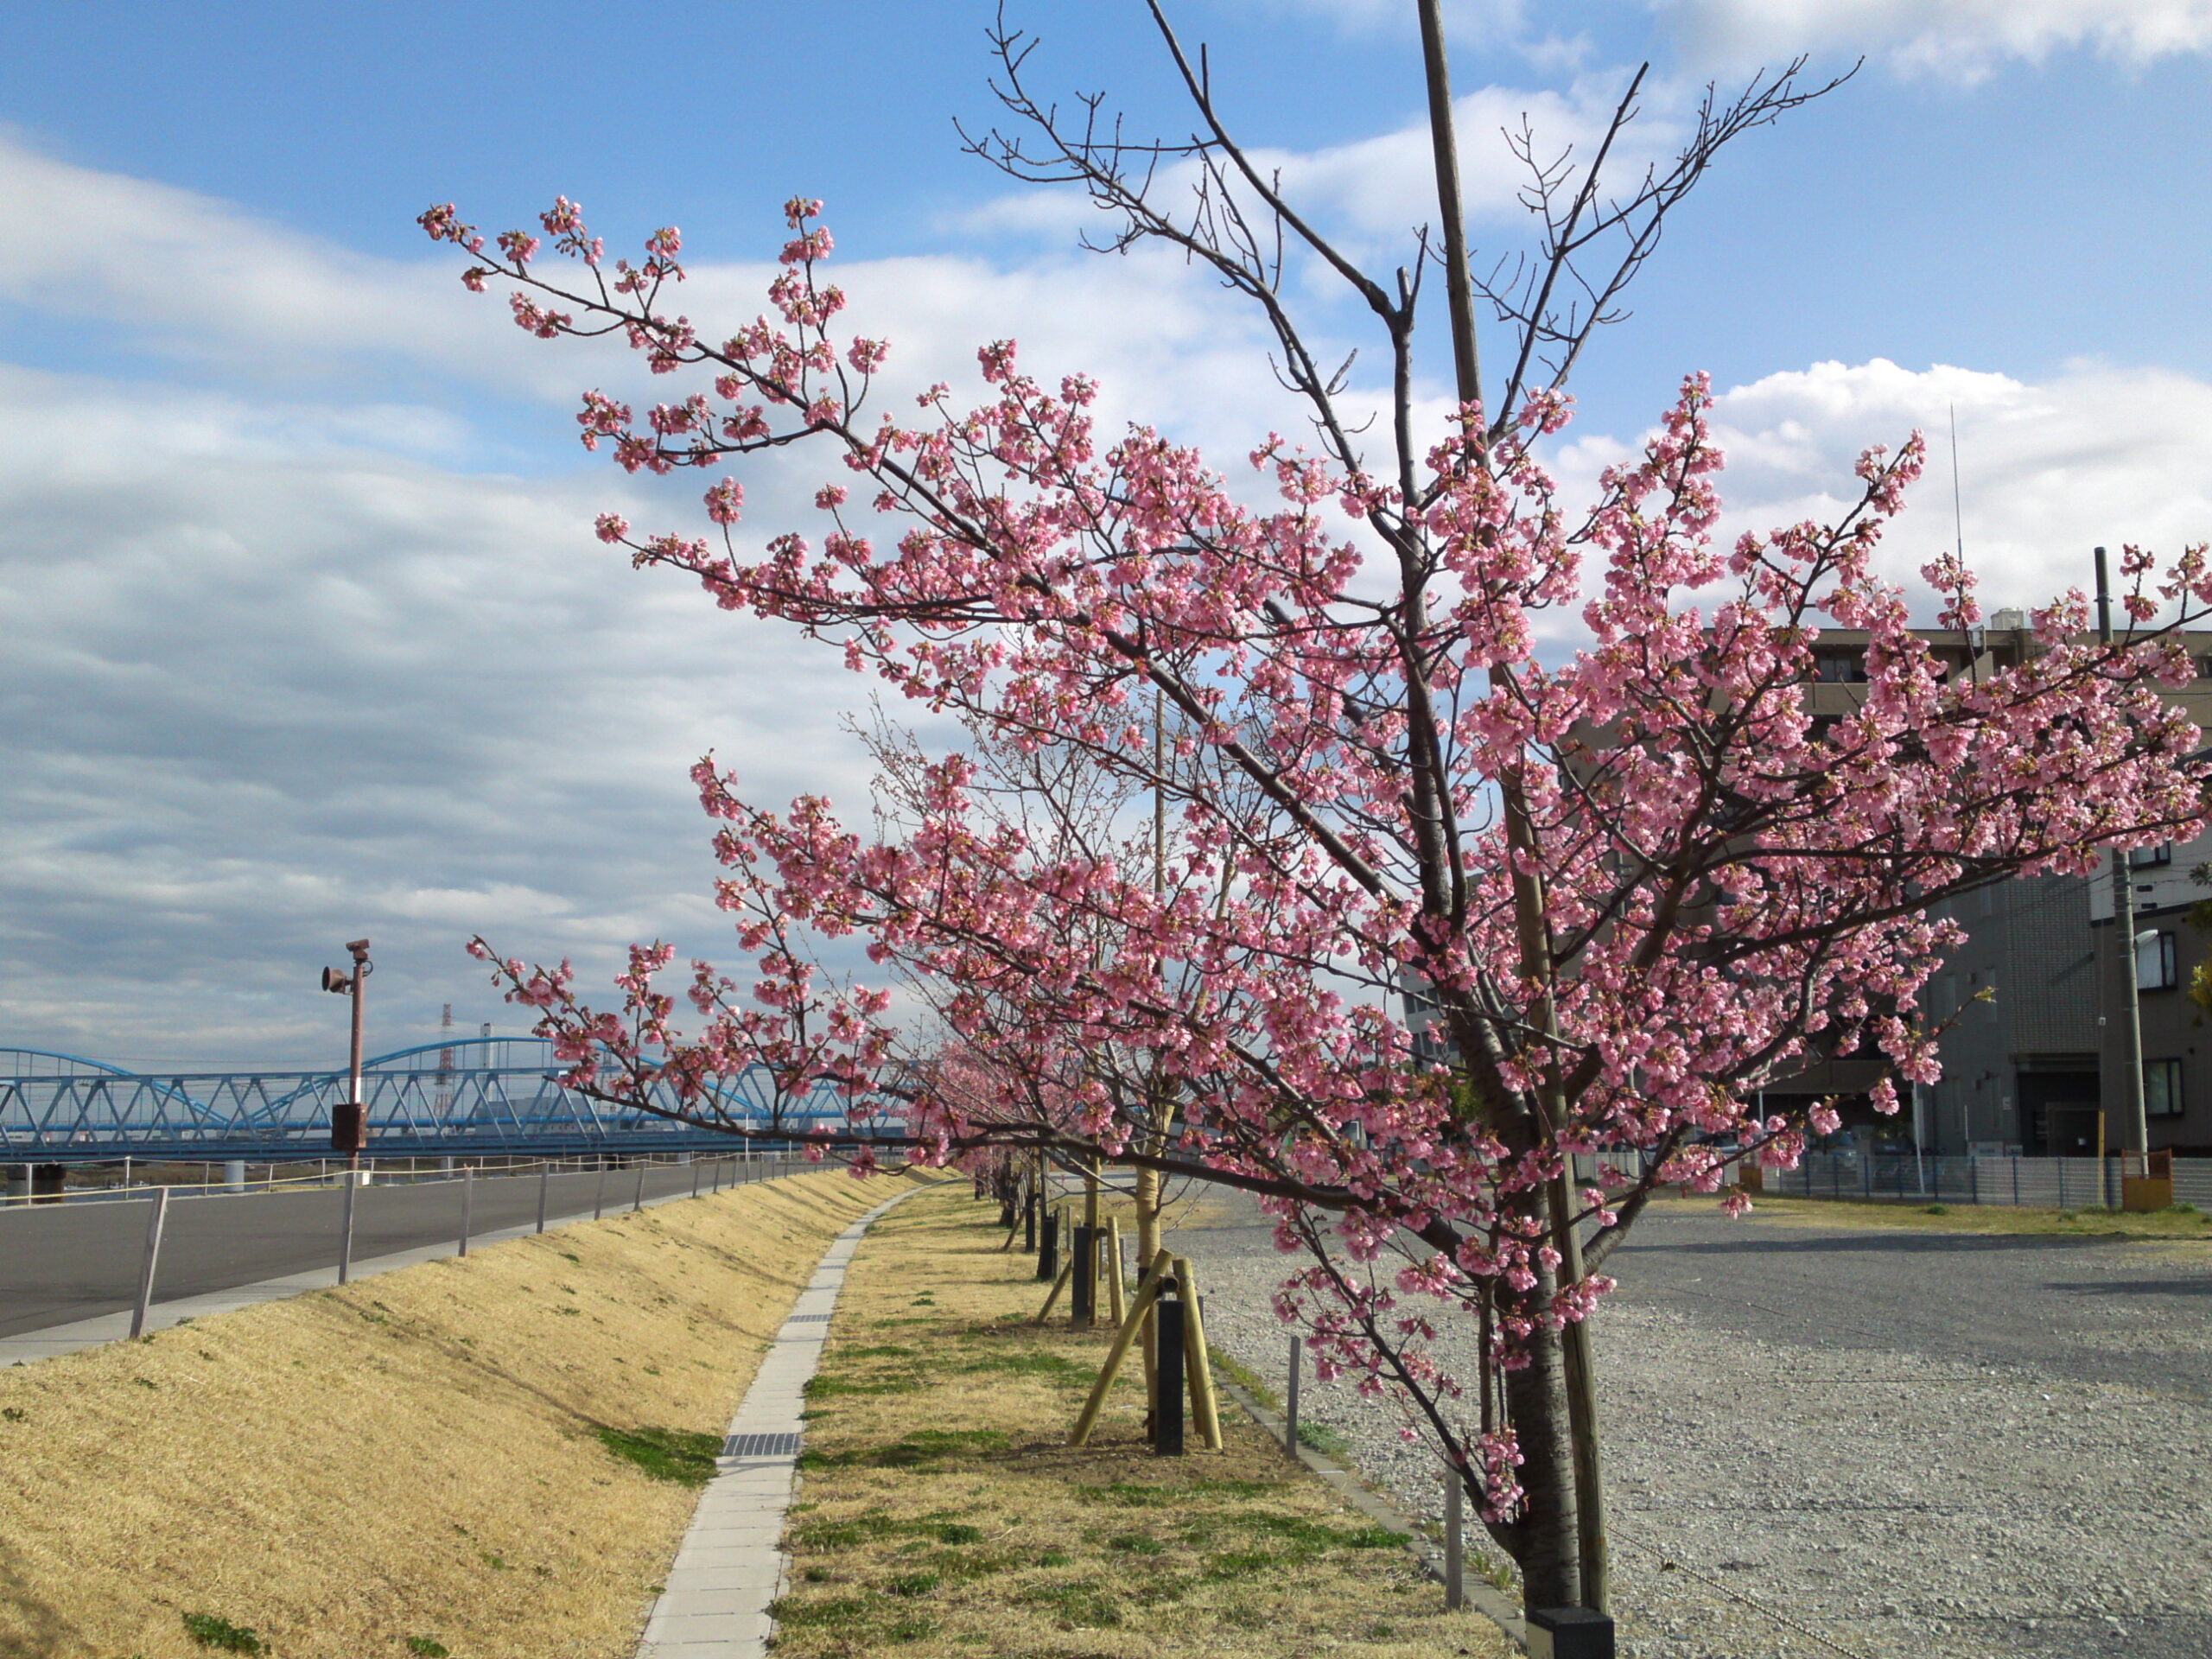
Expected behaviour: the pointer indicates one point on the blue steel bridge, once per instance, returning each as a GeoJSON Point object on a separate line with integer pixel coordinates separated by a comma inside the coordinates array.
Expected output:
{"type": "Point", "coordinates": [468, 1096]}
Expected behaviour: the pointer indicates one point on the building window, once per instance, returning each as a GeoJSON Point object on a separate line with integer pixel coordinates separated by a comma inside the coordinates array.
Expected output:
{"type": "Point", "coordinates": [1845, 667]}
{"type": "Point", "coordinates": [2162, 1089]}
{"type": "Point", "coordinates": [2144, 858]}
{"type": "Point", "coordinates": [2154, 962]}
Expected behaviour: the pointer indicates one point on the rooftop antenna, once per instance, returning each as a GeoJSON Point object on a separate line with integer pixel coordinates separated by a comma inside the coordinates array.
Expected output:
{"type": "Point", "coordinates": [1958, 513]}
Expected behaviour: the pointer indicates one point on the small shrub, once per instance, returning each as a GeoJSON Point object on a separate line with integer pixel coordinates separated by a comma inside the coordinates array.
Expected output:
{"type": "Point", "coordinates": [221, 1635]}
{"type": "Point", "coordinates": [1941, 1209]}
{"type": "Point", "coordinates": [428, 1646]}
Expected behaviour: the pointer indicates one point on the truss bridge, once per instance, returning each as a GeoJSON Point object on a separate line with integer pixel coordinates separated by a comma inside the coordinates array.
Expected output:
{"type": "Point", "coordinates": [457, 1097]}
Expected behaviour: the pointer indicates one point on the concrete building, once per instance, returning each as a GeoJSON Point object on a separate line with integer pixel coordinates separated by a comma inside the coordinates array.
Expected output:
{"type": "Point", "coordinates": [2036, 1054]}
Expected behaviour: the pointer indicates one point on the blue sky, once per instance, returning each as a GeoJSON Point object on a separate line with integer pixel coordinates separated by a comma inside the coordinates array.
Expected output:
{"type": "Point", "coordinates": [311, 637]}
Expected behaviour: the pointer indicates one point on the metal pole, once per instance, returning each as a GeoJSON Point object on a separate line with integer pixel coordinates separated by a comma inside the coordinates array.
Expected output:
{"type": "Point", "coordinates": [346, 1235]}
{"type": "Point", "coordinates": [2123, 929]}
{"type": "Point", "coordinates": [639, 1203]}
{"type": "Point", "coordinates": [360, 951]}
{"type": "Point", "coordinates": [695, 1177]}
{"type": "Point", "coordinates": [146, 1267]}
{"type": "Point", "coordinates": [468, 1202]}
{"type": "Point", "coordinates": [1455, 1566]}
{"type": "Point", "coordinates": [544, 1180]}
{"type": "Point", "coordinates": [1290, 1396]}
{"type": "Point", "coordinates": [599, 1197]}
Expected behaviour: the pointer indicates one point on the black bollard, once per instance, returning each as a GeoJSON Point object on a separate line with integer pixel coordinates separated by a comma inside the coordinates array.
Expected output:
{"type": "Point", "coordinates": [1167, 1391]}
{"type": "Point", "coordinates": [1083, 1300]}
{"type": "Point", "coordinates": [1569, 1633]}
{"type": "Point", "coordinates": [1029, 1222]}
{"type": "Point", "coordinates": [1048, 1250]}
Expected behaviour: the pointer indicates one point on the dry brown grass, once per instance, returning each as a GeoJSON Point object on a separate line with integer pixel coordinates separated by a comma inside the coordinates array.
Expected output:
{"type": "Point", "coordinates": [943, 1513]}
{"type": "Point", "coordinates": [414, 1456]}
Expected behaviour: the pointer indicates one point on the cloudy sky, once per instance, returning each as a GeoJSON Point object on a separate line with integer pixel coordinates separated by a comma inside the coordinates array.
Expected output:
{"type": "Point", "coordinates": [303, 631]}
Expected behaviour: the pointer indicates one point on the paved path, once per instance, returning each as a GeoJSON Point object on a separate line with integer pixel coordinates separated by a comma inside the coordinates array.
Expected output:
{"type": "Point", "coordinates": [68, 1273]}
{"type": "Point", "coordinates": [731, 1566]}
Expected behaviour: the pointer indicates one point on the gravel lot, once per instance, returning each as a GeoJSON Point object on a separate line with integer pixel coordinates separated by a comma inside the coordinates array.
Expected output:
{"type": "Point", "coordinates": [1909, 1444]}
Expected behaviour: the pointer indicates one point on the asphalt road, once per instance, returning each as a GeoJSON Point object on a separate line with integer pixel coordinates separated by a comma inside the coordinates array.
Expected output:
{"type": "Point", "coordinates": [63, 1262]}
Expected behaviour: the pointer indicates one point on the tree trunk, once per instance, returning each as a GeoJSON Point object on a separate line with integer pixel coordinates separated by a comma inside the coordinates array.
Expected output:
{"type": "Point", "coordinates": [1548, 1540]}
{"type": "Point", "coordinates": [1147, 1206]}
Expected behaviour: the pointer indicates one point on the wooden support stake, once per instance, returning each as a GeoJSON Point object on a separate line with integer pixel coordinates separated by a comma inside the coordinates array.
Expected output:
{"type": "Point", "coordinates": [1132, 1322]}
{"type": "Point", "coordinates": [1203, 1404]}
{"type": "Point", "coordinates": [1053, 1294]}
{"type": "Point", "coordinates": [1114, 1288]}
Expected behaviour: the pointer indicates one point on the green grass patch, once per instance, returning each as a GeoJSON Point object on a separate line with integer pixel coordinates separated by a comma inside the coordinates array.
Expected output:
{"type": "Point", "coordinates": [209, 1631]}
{"type": "Point", "coordinates": [823, 1386]}
{"type": "Point", "coordinates": [918, 1450]}
{"type": "Point", "coordinates": [681, 1455]}
{"type": "Point", "coordinates": [1057, 1366]}
{"type": "Point", "coordinates": [1244, 1377]}
{"type": "Point", "coordinates": [1329, 1442]}
{"type": "Point", "coordinates": [428, 1646]}
{"type": "Point", "coordinates": [1078, 1603]}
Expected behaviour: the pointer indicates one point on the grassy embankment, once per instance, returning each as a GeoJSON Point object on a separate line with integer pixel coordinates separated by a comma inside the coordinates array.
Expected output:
{"type": "Point", "coordinates": [943, 1513]}
{"type": "Point", "coordinates": [465, 1457]}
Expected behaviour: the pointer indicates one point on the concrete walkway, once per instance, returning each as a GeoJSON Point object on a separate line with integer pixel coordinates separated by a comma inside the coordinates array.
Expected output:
{"type": "Point", "coordinates": [22, 1349]}
{"type": "Point", "coordinates": [730, 1567]}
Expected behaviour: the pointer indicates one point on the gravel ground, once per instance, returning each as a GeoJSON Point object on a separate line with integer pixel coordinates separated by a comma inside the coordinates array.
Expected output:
{"type": "Point", "coordinates": [2023, 1466]}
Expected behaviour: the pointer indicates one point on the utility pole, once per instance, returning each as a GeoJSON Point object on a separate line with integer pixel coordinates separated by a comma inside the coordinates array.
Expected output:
{"type": "Point", "coordinates": [2123, 924]}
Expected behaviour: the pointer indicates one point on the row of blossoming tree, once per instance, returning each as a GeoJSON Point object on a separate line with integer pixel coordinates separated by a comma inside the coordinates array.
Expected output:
{"type": "Point", "coordinates": [1631, 879]}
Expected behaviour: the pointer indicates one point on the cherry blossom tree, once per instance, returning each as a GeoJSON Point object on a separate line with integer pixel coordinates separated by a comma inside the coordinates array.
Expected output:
{"type": "Point", "coordinates": [1631, 879]}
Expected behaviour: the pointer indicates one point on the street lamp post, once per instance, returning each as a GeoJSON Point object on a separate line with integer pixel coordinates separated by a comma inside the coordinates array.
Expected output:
{"type": "Point", "coordinates": [349, 1125]}
{"type": "Point", "coordinates": [2123, 931]}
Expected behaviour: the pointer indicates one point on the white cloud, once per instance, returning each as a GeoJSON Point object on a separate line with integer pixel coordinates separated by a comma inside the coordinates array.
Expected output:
{"type": "Point", "coordinates": [287, 663]}
{"type": "Point", "coordinates": [2047, 470]}
{"type": "Point", "coordinates": [1959, 40]}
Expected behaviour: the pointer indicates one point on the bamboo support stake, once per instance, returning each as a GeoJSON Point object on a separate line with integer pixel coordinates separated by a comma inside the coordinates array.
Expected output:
{"type": "Point", "coordinates": [1203, 1405]}
{"type": "Point", "coordinates": [1114, 1288]}
{"type": "Point", "coordinates": [1132, 1322]}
